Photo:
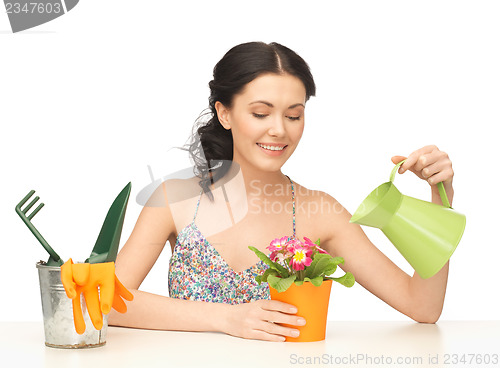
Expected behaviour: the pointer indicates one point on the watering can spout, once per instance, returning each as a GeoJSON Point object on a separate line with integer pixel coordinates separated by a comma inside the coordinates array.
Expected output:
{"type": "Point", "coordinates": [426, 234]}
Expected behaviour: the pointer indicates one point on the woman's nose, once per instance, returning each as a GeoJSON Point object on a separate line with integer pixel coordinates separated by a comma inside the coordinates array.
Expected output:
{"type": "Point", "coordinates": [277, 127]}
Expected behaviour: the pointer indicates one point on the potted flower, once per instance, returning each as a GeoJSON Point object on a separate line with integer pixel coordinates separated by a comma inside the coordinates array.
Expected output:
{"type": "Point", "coordinates": [299, 274]}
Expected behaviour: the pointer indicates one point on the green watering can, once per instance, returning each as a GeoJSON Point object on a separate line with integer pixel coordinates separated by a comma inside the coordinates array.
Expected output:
{"type": "Point", "coordinates": [425, 233]}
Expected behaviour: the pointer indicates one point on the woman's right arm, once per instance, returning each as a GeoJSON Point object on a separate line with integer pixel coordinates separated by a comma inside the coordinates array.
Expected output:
{"type": "Point", "coordinates": [154, 227]}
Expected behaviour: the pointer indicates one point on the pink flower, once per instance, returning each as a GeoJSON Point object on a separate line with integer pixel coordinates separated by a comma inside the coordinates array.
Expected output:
{"type": "Point", "coordinates": [294, 244]}
{"type": "Point", "coordinates": [321, 250]}
{"type": "Point", "coordinates": [301, 258]}
{"type": "Point", "coordinates": [309, 243]}
{"type": "Point", "coordinates": [276, 256]}
{"type": "Point", "coordinates": [287, 253]}
{"type": "Point", "coordinates": [278, 244]}
{"type": "Point", "coordinates": [293, 252]}
{"type": "Point", "coordinates": [280, 257]}
{"type": "Point", "coordinates": [273, 256]}
{"type": "Point", "coordinates": [312, 245]}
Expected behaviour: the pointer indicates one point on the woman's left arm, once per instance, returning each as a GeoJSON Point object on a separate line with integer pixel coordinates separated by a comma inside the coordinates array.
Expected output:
{"type": "Point", "coordinates": [434, 166]}
{"type": "Point", "coordinates": [422, 300]}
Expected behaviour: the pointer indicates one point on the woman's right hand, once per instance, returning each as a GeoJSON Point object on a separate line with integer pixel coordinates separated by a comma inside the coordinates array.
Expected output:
{"type": "Point", "coordinates": [259, 320]}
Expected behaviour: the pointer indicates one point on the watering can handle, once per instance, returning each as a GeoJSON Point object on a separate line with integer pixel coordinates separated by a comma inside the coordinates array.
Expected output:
{"type": "Point", "coordinates": [442, 192]}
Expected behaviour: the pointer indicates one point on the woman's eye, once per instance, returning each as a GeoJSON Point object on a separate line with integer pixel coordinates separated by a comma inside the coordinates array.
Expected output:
{"type": "Point", "coordinates": [262, 116]}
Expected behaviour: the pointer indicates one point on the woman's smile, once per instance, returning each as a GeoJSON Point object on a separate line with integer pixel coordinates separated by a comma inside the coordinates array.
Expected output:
{"type": "Point", "coordinates": [272, 149]}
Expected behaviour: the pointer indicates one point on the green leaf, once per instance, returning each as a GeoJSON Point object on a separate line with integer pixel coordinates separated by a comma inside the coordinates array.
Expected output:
{"type": "Point", "coordinates": [267, 272]}
{"type": "Point", "coordinates": [347, 279]}
{"type": "Point", "coordinates": [332, 266]}
{"type": "Point", "coordinates": [282, 270]}
{"type": "Point", "coordinates": [317, 242]}
{"type": "Point", "coordinates": [280, 284]}
{"type": "Point", "coordinates": [258, 278]}
{"type": "Point", "coordinates": [338, 260]}
{"type": "Point", "coordinates": [314, 268]}
{"type": "Point", "coordinates": [317, 281]}
{"type": "Point", "coordinates": [299, 282]}
{"type": "Point", "coordinates": [335, 261]}
{"type": "Point", "coordinates": [323, 264]}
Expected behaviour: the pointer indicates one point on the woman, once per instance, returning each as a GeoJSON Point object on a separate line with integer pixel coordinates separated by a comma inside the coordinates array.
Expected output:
{"type": "Point", "coordinates": [257, 114]}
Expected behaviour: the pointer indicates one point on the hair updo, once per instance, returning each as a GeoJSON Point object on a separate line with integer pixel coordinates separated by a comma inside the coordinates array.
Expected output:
{"type": "Point", "coordinates": [211, 145]}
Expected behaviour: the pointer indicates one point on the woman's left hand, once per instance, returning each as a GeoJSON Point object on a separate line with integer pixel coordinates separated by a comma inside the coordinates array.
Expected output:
{"type": "Point", "coordinates": [430, 164]}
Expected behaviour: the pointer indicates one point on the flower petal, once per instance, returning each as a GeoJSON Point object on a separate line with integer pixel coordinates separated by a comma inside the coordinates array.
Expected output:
{"type": "Point", "coordinates": [321, 250]}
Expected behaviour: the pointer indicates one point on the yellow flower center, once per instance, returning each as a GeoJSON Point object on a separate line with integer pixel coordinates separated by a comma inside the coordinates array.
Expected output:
{"type": "Point", "coordinates": [299, 256]}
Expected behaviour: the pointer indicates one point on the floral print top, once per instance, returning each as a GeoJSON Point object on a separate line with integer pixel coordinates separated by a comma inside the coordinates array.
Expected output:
{"type": "Point", "coordinates": [198, 272]}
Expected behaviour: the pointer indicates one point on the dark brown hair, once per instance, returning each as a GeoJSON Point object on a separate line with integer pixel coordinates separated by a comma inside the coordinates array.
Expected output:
{"type": "Point", "coordinates": [211, 145]}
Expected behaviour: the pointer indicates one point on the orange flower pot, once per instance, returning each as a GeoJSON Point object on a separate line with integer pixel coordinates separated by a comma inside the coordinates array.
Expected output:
{"type": "Point", "coordinates": [312, 304]}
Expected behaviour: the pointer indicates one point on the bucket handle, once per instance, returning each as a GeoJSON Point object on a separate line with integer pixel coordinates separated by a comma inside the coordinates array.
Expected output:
{"type": "Point", "coordinates": [442, 192]}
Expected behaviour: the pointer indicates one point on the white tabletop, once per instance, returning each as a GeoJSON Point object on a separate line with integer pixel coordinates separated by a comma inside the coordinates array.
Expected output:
{"type": "Point", "coordinates": [348, 344]}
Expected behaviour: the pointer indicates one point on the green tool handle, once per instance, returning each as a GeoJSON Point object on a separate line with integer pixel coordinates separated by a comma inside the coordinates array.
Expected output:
{"type": "Point", "coordinates": [53, 255]}
{"type": "Point", "coordinates": [442, 191]}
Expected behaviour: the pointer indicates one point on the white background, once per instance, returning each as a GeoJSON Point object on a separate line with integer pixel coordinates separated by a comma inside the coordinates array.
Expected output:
{"type": "Point", "coordinates": [89, 100]}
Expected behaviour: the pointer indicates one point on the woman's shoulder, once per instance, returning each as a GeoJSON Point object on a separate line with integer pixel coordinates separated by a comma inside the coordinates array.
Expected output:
{"type": "Point", "coordinates": [318, 204]}
{"type": "Point", "coordinates": [179, 197]}
{"type": "Point", "coordinates": [187, 185]}
{"type": "Point", "coordinates": [312, 195]}
{"type": "Point", "coordinates": [320, 214]}
{"type": "Point", "coordinates": [172, 193]}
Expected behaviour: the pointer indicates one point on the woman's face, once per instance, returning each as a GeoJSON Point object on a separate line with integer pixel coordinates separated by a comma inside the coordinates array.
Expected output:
{"type": "Point", "coordinates": [265, 117]}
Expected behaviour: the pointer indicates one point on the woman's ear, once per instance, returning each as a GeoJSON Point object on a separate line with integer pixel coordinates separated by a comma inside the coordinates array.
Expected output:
{"type": "Point", "coordinates": [222, 115]}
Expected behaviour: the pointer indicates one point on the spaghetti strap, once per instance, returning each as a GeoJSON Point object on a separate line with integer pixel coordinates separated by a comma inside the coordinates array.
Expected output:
{"type": "Point", "coordinates": [197, 205]}
{"type": "Point", "coordinates": [293, 206]}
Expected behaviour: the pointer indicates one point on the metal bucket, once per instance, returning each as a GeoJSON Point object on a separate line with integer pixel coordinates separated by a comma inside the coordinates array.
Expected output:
{"type": "Point", "coordinates": [58, 314]}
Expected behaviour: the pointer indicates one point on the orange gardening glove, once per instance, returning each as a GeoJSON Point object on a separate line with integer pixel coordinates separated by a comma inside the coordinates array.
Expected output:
{"type": "Point", "coordinates": [94, 280]}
